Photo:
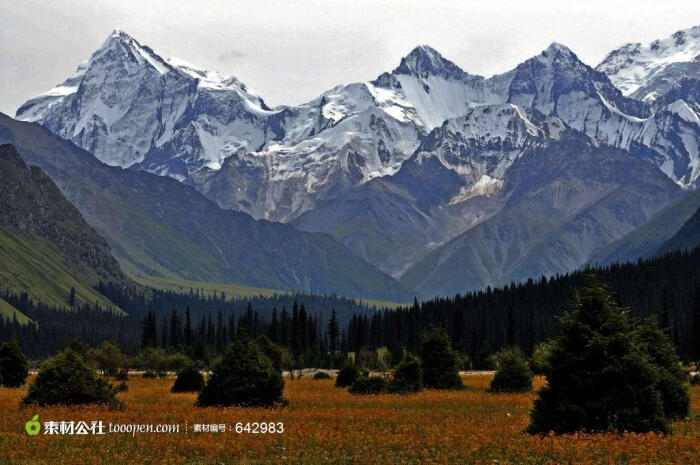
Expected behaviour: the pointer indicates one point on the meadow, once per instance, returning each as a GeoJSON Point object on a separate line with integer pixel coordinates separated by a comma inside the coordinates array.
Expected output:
{"type": "Point", "coordinates": [323, 424]}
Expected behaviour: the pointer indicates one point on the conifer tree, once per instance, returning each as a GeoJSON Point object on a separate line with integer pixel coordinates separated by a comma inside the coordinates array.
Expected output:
{"type": "Point", "coordinates": [599, 376]}
{"type": "Point", "coordinates": [244, 376]}
{"type": "Point", "coordinates": [513, 374]}
{"type": "Point", "coordinates": [408, 376]}
{"type": "Point", "coordinates": [440, 363]}
{"type": "Point", "coordinates": [333, 332]}
{"type": "Point", "coordinates": [14, 367]}
{"type": "Point", "coordinates": [71, 297]}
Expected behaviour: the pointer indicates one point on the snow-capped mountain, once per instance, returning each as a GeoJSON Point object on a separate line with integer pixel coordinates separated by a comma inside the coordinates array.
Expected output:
{"type": "Point", "coordinates": [646, 72]}
{"type": "Point", "coordinates": [395, 167]}
{"type": "Point", "coordinates": [132, 108]}
{"type": "Point", "coordinates": [451, 183]}
{"type": "Point", "coordinates": [128, 106]}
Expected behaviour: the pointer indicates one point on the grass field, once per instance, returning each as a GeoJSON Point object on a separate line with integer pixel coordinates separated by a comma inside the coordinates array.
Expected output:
{"type": "Point", "coordinates": [327, 425]}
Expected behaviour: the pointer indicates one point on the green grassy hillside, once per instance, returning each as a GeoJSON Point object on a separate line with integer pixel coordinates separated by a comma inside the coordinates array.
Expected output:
{"type": "Point", "coordinates": [46, 247]}
{"type": "Point", "coordinates": [33, 265]}
{"type": "Point", "coordinates": [10, 312]}
{"type": "Point", "coordinates": [233, 291]}
{"type": "Point", "coordinates": [165, 228]}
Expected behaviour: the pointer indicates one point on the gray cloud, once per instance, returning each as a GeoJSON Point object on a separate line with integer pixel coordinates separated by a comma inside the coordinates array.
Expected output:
{"type": "Point", "coordinates": [230, 55]}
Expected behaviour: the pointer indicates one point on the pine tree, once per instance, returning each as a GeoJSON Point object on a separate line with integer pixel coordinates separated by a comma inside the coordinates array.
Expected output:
{"type": "Point", "coordinates": [440, 364]}
{"type": "Point", "coordinates": [598, 376]}
{"type": "Point", "coordinates": [188, 327]}
{"type": "Point", "coordinates": [244, 376]}
{"type": "Point", "coordinates": [408, 376]}
{"type": "Point", "coordinates": [513, 374]}
{"type": "Point", "coordinates": [695, 328]}
{"type": "Point", "coordinates": [71, 297]}
{"type": "Point", "coordinates": [13, 364]}
{"type": "Point", "coordinates": [333, 332]}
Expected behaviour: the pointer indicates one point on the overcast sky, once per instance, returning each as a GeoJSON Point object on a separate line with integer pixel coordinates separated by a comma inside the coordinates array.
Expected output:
{"type": "Point", "coordinates": [291, 51]}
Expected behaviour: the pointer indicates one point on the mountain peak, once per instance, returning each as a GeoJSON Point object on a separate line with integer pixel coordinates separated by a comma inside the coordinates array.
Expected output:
{"type": "Point", "coordinates": [121, 46]}
{"type": "Point", "coordinates": [425, 60]}
{"type": "Point", "coordinates": [118, 35]}
{"type": "Point", "coordinates": [647, 71]}
{"type": "Point", "coordinates": [556, 49]}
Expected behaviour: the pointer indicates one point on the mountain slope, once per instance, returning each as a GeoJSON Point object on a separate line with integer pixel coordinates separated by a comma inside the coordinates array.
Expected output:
{"type": "Point", "coordinates": [394, 168]}
{"type": "Point", "coordinates": [158, 226]}
{"type": "Point", "coordinates": [9, 312]}
{"type": "Point", "coordinates": [45, 245]}
{"type": "Point", "coordinates": [562, 200]}
{"type": "Point", "coordinates": [648, 238]}
{"type": "Point", "coordinates": [451, 184]}
{"type": "Point", "coordinates": [688, 237]}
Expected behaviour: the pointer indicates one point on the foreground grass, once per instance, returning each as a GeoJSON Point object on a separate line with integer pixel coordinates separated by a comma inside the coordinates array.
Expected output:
{"type": "Point", "coordinates": [327, 425]}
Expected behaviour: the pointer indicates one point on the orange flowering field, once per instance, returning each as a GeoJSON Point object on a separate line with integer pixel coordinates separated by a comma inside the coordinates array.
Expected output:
{"type": "Point", "coordinates": [323, 424]}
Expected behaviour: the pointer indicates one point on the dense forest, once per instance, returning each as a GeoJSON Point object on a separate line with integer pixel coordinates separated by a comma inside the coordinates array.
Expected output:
{"type": "Point", "coordinates": [311, 326]}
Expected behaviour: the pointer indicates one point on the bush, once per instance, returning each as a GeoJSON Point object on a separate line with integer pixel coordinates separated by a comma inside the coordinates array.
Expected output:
{"type": "Point", "coordinates": [153, 361]}
{"type": "Point", "coordinates": [14, 367]}
{"type": "Point", "coordinates": [243, 376]}
{"type": "Point", "coordinates": [68, 379]}
{"type": "Point", "coordinates": [189, 379]}
{"type": "Point", "coordinates": [108, 358]}
{"type": "Point", "coordinates": [440, 362]}
{"type": "Point", "coordinates": [600, 374]}
{"type": "Point", "coordinates": [122, 375]}
{"type": "Point", "coordinates": [408, 376]}
{"type": "Point", "coordinates": [347, 375]}
{"type": "Point", "coordinates": [149, 374]}
{"type": "Point", "coordinates": [322, 375]}
{"type": "Point", "coordinates": [695, 379]}
{"type": "Point", "coordinates": [368, 385]}
{"type": "Point", "coordinates": [513, 375]}
{"type": "Point", "coordinates": [122, 387]}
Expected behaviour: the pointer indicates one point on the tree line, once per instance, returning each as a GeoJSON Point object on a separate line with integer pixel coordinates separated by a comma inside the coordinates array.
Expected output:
{"type": "Point", "coordinates": [313, 328]}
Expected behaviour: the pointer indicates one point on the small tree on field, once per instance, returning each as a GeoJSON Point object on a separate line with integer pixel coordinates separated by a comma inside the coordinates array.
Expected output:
{"type": "Point", "coordinates": [68, 379]}
{"type": "Point", "coordinates": [513, 374]}
{"type": "Point", "coordinates": [189, 379]}
{"type": "Point", "coordinates": [408, 376]}
{"type": "Point", "coordinates": [321, 375]}
{"type": "Point", "coordinates": [440, 362]}
{"type": "Point", "coordinates": [600, 375]}
{"type": "Point", "coordinates": [14, 367]}
{"type": "Point", "coordinates": [347, 375]}
{"type": "Point", "coordinates": [243, 376]}
{"type": "Point", "coordinates": [108, 358]}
